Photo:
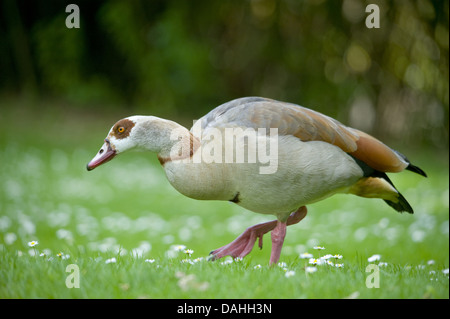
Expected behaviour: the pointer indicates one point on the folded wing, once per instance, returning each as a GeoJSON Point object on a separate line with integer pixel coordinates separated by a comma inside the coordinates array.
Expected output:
{"type": "Point", "coordinates": [305, 124]}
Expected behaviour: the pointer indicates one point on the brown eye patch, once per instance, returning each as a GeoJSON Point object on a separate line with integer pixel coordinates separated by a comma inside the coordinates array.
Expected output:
{"type": "Point", "coordinates": [123, 128]}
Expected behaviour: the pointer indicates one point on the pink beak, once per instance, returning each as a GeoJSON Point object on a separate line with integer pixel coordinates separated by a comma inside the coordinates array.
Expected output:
{"type": "Point", "coordinates": [105, 154]}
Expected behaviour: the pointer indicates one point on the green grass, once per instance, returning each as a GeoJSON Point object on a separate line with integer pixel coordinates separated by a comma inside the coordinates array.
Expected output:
{"type": "Point", "coordinates": [128, 211]}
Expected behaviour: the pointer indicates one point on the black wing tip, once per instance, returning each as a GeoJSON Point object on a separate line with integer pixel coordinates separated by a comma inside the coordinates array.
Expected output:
{"type": "Point", "coordinates": [416, 169]}
{"type": "Point", "coordinates": [412, 167]}
{"type": "Point", "coordinates": [401, 206]}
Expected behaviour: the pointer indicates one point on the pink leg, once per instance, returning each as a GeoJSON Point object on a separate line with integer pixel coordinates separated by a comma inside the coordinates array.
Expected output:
{"type": "Point", "coordinates": [277, 236]}
{"type": "Point", "coordinates": [243, 245]}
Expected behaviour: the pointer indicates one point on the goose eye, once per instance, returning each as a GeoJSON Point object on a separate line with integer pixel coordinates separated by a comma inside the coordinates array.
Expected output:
{"type": "Point", "coordinates": [121, 129]}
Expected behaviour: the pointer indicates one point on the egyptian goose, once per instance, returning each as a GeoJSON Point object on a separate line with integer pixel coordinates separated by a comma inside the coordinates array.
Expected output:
{"type": "Point", "coordinates": [267, 156]}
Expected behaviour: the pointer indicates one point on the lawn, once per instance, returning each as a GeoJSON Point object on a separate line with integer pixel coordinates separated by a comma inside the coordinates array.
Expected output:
{"type": "Point", "coordinates": [121, 225]}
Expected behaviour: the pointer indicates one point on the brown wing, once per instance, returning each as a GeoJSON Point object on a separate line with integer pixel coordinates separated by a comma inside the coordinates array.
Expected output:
{"type": "Point", "coordinates": [378, 155]}
{"type": "Point", "coordinates": [307, 125]}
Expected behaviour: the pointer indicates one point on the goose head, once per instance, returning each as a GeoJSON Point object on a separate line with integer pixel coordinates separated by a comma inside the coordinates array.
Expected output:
{"type": "Point", "coordinates": [135, 132]}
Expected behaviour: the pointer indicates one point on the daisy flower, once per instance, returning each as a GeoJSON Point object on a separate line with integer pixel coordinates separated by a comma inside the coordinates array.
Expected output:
{"type": "Point", "coordinates": [319, 247]}
{"type": "Point", "coordinates": [374, 258]}
{"type": "Point", "coordinates": [10, 238]}
{"type": "Point", "coordinates": [179, 247]}
{"type": "Point", "coordinates": [33, 243]}
{"type": "Point", "coordinates": [337, 256]}
{"type": "Point", "coordinates": [62, 255]}
{"type": "Point", "coordinates": [310, 270]}
{"type": "Point", "coordinates": [187, 261]}
{"type": "Point", "coordinates": [306, 256]}
{"type": "Point", "coordinates": [314, 261]}
{"type": "Point", "coordinates": [339, 265]}
{"type": "Point", "coordinates": [110, 260]}
{"type": "Point", "coordinates": [227, 262]}
{"type": "Point", "coordinates": [289, 273]}
{"type": "Point", "coordinates": [151, 261]}
{"type": "Point", "coordinates": [257, 266]}
{"type": "Point", "coordinates": [32, 252]}
{"type": "Point", "coordinates": [45, 253]}
{"type": "Point", "coordinates": [189, 252]}
{"type": "Point", "coordinates": [282, 264]}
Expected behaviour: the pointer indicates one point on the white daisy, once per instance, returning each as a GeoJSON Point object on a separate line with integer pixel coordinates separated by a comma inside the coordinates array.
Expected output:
{"type": "Point", "coordinates": [289, 273]}
{"type": "Point", "coordinates": [374, 258]}
{"type": "Point", "coordinates": [306, 256]}
{"type": "Point", "coordinates": [189, 252]}
{"type": "Point", "coordinates": [187, 261]}
{"type": "Point", "coordinates": [227, 262]}
{"type": "Point", "coordinates": [314, 261]}
{"type": "Point", "coordinates": [178, 247]}
{"type": "Point", "coordinates": [10, 238]}
{"type": "Point", "coordinates": [310, 270]}
{"type": "Point", "coordinates": [33, 243]}
{"type": "Point", "coordinates": [62, 256]}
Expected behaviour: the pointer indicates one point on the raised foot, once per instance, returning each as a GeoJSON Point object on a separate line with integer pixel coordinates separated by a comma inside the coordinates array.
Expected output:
{"type": "Point", "coordinates": [243, 245]}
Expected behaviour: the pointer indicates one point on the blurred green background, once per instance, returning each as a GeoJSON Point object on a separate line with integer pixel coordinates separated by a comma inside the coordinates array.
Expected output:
{"type": "Point", "coordinates": [179, 59]}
